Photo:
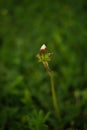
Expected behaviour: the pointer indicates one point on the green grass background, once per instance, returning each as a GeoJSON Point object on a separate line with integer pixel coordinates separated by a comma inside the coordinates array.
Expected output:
{"type": "Point", "coordinates": [25, 95]}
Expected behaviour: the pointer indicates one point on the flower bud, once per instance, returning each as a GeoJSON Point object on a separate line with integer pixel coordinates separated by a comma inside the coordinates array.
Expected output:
{"type": "Point", "coordinates": [44, 56]}
{"type": "Point", "coordinates": [43, 48]}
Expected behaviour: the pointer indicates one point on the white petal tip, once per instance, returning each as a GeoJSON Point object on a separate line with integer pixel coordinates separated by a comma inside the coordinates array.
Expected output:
{"type": "Point", "coordinates": [43, 47]}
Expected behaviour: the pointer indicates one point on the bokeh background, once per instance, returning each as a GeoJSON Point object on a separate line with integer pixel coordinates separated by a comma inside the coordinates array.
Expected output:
{"type": "Point", "coordinates": [25, 94]}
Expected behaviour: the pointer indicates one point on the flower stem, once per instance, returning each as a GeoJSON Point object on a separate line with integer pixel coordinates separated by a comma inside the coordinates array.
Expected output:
{"type": "Point", "coordinates": [54, 97]}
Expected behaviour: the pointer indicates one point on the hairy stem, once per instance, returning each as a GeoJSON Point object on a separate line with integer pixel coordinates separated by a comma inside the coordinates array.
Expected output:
{"type": "Point", "coordinates": [54, 97]}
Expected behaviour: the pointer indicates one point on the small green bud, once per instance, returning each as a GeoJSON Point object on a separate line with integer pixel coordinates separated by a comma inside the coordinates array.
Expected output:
{"type": "Point", "coordinates": [44, 55]}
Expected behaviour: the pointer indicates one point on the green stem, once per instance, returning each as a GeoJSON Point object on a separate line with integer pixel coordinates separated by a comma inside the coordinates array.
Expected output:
{"type": "Point", "coordinates": [53, 90]}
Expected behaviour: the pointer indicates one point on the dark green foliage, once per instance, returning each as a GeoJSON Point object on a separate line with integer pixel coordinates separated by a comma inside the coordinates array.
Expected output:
{"type": "Point", "coordinates": [25, 95]}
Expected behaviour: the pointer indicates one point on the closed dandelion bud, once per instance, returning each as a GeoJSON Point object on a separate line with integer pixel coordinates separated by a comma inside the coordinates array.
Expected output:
{"type": "Point", "coordinates": [43, 55]}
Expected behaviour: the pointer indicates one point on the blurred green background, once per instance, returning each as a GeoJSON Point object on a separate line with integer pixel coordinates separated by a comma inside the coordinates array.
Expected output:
{"type": "Point", "coordinates": [25, 94]}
